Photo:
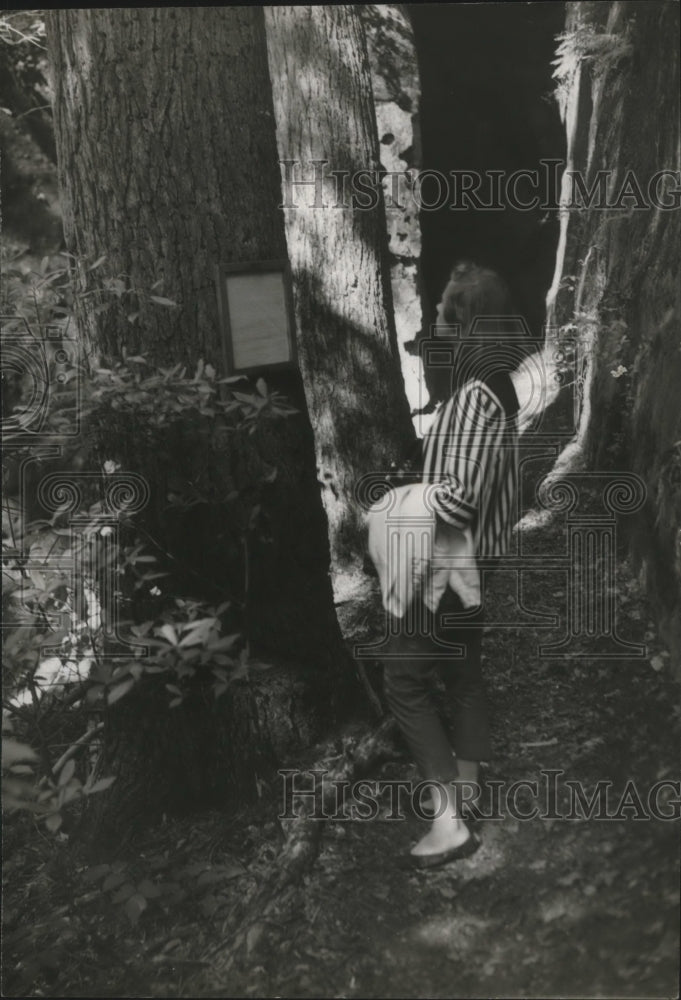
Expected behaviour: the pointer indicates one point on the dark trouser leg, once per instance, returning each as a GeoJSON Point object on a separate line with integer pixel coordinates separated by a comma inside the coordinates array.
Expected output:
{"type": "Point", "coordinates": [408, 688]}
{"type": "Point", "coordinates": [466, 703]}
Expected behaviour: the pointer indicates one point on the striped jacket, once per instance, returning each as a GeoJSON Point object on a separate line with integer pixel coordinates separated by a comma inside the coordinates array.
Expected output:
{"type": "Point", "coordinates": [472, 450]}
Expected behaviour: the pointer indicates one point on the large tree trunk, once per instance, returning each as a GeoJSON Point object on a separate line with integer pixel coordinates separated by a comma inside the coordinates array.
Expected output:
{"type": "Point", "coordinates": [324, 110]}
{"type": "Point", "coordinates": [622, 252]}
{"type": "Point", "coordinates": [168, 164]}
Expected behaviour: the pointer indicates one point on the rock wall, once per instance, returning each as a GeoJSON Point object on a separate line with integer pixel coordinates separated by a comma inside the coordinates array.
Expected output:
{"type": "Point", "coordinates": [617, 278]}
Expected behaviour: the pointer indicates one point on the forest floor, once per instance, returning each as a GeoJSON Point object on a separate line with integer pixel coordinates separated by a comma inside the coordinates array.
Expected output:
{"type": "Point", "coordinates": [546, 908]}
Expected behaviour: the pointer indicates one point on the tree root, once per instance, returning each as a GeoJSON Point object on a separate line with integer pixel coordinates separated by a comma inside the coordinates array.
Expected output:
{"type": "Point", "coordinates": [302, 844]}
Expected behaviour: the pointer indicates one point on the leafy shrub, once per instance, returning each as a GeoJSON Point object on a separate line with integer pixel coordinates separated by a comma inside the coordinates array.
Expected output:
{"type": "Point", "coordinates": [67, 661]}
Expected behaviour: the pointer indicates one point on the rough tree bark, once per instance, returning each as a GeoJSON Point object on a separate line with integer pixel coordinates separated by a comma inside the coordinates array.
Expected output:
{"type": "Point", "coordinates": [168, 163]}
{"type": "Point", "coordinates": [323, 106]}
{"type": "Point", "coordinates": [622, 252]}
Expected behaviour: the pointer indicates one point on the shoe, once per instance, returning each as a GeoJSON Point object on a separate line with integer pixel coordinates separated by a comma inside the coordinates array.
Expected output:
{"type": "Point", "coordinates": [464, 850]}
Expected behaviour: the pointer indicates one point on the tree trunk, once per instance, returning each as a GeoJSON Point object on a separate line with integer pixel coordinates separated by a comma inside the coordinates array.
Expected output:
{"type": "Point", "coordinates": [168, 164]}
{"type": "Point", "coordinates": [323, 106]}
{"type": "Point", "coordinates": [621, 254]}
{"type": "Point", "coordinates": [396, 84]}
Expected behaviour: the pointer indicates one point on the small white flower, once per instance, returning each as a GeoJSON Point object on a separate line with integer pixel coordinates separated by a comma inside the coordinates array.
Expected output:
{"type": "Point", "coordinates": [110, 467]}
{"type": "Point", "coordinates": [106, 531]}
{"type": "Point", "coordinates": [155, 591]}
{"type": "Point", "coordinates": [619, 371]}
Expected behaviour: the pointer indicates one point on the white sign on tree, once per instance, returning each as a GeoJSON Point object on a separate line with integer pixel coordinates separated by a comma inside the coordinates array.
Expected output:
{"type": "Point", "coordinates": [256, 315]}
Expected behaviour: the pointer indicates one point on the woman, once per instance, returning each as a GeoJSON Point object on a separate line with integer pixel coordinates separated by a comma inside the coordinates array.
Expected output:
{"type": "Point", "coordinates": [470, 451]}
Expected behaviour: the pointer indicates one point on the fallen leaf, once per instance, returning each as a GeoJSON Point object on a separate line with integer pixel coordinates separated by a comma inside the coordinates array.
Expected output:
{"type": "Point", "coordinates": [135, 907]}
{"type": "Point", "coordinates": [253, 936]}
{"type": "Point", "coordinates": [538, 866]}
{"type": "Point", "coordinates": [568, 880]}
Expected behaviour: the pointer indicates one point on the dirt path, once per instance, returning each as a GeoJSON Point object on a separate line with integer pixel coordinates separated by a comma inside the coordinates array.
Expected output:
{"type": "Point", "coordinates": [547, 907]}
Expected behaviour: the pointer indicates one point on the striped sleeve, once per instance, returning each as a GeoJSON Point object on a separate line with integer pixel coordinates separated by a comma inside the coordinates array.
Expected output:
{"type": "Point", "coordinates": [461, 450]}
